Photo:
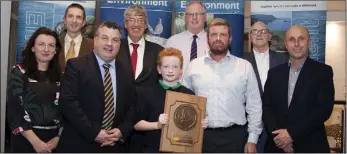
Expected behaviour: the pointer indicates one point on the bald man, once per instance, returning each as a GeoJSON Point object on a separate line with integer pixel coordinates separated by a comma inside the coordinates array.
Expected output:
{"type": "Point", "coordinates": [262, 59]}
{"type": "Point", "coordinates": [298, 99]}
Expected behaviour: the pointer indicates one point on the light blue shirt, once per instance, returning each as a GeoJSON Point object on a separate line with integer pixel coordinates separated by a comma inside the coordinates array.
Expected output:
{"type": "Point", "coordinates": [231, 89]}
{"type": "Point", "coordinates": [113, 75]}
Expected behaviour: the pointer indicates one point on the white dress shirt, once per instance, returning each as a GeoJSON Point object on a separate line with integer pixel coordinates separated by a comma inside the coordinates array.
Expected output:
{"type": "Point", "coordinates": [112, 70]}
{"type": "Point", "coordinates": [231, 89]}
{"type": "Point", "coordinates": [78, 42]}
{"type": "Point", "coordinates": [140, 54]}
{"type": "Point", "coordinates": [263, 65]}
{"type": "Point", "coordinates": [183, 41]}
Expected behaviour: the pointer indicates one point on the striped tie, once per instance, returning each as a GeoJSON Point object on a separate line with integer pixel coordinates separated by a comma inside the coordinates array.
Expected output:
{"type": "Point", "coordinates": [193, 51]}
{"type": "Point", "coordinates": [109, 99]}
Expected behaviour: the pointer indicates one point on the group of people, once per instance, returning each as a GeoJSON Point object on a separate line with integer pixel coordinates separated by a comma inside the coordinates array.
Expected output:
{"type": "Point", "coordinates": [72, 94]}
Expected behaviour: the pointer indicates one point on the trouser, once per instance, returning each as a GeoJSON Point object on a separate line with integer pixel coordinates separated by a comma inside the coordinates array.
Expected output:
{"type": "Point", "coordinates": [225, 140]}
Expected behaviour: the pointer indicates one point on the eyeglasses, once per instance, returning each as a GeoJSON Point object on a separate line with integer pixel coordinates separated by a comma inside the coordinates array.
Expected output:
{"type": "Point", "coordinates": [260, 31]}
{"type": "Point", "coordinates": [139, 21]}
{"type": "Point", "coordinates": [195, 14]}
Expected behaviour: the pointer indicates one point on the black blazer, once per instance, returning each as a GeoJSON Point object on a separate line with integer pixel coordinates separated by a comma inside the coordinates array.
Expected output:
{"type": "Point", "coordinates": [275, 58]}
{"type": "Point", "coordinates": [311, 106]}
{"type": "Point", "coordinates": [149, 73]}
{"type": "Point", "coordinates": [82, 104]}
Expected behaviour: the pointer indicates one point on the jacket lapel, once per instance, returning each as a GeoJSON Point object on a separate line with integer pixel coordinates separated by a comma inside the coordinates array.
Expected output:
{"type": "Point", "coordinates": [255, 67]}
{"type": "Point", "coordinates": [285, 81]}
{"type": "Point", "coordinates": [148, 58]}
{"type": "Point", "coordinates": [96, 76]}
{"type": "Point", "coordinates": [62, 52]}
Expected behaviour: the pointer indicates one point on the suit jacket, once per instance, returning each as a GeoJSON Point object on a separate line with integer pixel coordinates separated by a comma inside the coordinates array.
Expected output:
{"type": "Point", "coordinates": [87, 45]}
{"type": "Point", "coordinates": [147, 77]}
{"type": "Point", "coordinates": [311, 105]}
{"type": "Point", "coordinates": [149, 74]}
{"type": "Point", "coordinates": [276, 58]}
{"type": "Point", "coordinates": [82, 104]}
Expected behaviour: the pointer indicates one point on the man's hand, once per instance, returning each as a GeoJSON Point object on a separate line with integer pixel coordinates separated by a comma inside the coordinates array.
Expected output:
{"type": "Point", "coordinates": [115, 135]}
{"type": "Point", "coordinates": [102, 136]}
{"type": "Point", "coordinates": [250, 147]}
{"type": "Point", "coordinates": [282, 138]}
{"type": "Point", "coordinates": [288, 149]}
{"type": "Point", "coordinates": [53, 142]}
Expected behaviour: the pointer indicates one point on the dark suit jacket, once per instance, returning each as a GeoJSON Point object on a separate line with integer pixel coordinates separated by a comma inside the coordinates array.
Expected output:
{"type": "Point", "coordinates": [82, 104]}
{"type": "Point", "coordinates": [87, 45]}
{"type": "Point", "coordinates": [149, 73]}
{"type": "Point", "coordinates": [148, 77]}
{"type": "Point", "coordinates": [311, 105]}
{"type": "Point", "coordinates": [276, 58]}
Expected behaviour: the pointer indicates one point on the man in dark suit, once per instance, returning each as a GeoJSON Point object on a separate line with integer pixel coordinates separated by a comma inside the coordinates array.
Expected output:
{"type": "Point", "coordinates": [94, 98]}
{"type": "Point", "coordinates": [136, 53]}
{"type": "Point", "coordinates": [74, 44]}
{"type": "Point", "coordinates": [262, 59]}
{"type": "Point", "coordinates": [139, 56]}
{"type": "Point", "coordinates": [298, 99]}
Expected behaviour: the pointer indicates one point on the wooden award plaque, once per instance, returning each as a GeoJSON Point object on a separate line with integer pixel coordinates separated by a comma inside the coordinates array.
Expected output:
{"type": "Point", "coordinates": [184, 132]}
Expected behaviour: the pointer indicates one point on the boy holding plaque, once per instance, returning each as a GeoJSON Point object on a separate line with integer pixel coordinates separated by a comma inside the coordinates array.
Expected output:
{"type": "Point", "coordinates": [149, 114]}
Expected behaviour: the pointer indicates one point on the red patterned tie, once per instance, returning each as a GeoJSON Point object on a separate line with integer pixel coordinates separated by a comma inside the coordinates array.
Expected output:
{"type": "Point", "coordinates": [134, 57]}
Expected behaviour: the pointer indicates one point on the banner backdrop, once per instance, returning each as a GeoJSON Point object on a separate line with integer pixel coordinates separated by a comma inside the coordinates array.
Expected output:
{"type": "Point", "coordinates": [231, 10]}
{"type": "Point", "coordinates": [35, 14]}
{"type": "Point", "coordinates": [280, 15]}
{"type": "Point", "coordinates": [159, 13]}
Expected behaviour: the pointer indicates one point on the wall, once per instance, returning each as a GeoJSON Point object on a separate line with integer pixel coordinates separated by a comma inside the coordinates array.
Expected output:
{"type": "Point", "coordinates": [5, 35]}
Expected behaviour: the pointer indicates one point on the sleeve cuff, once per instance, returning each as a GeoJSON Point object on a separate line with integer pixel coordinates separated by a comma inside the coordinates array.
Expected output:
{"type": "Point", "coordinates": [253, 138]}
{"type": "Point", "coordinates": [17, 130]}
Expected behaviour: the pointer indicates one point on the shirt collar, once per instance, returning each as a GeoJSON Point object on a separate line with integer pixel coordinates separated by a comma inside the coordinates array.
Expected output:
{"type": "Point", "coordinates": [166, 87]}
{"type": "Point", "coordinates": [300, 66]}
{"type": "Point", "coordinates": [77, 40]}
{"type": "Point", "coordinates": [190, 34]}
{"type": "Point", "coordinates": [208, 57]}
{"type": "Point", "coordinates": [261, 53]}
{"type": "Point", "coordinates": [102, 62]}
{"type": "Point", "coordinates": [140, 43]}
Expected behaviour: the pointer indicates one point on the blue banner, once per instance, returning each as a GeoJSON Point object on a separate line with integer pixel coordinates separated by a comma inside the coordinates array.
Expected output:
{"type": "Point", "coordinates": [159, 13]}
{"type": "Point", "coordinates": [231, 10]}
{"type": "Point", "coordinates": [281, 15]}
{"type": "Point", "coordinates": [35, 14]}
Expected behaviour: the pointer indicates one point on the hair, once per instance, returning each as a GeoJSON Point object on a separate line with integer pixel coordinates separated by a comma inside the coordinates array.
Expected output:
{"type": "Point", "coordinates": [29, 62]}
{"type": "Point", "coordinates": [76, 5]}
{"type": "Point", "coordinates": [196, 2]}
{"type": "Point", "coordinates": [170, 52]}
{"type": "Point", "coordinates": [108, 24]}
{"type": "Point", "coordinates": [137, 10]}
{"type": "Point", "coordinates": [218, 22]}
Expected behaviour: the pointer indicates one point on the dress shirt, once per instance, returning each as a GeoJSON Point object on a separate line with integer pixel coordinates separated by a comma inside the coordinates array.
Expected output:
{"type": "Point", "coordinates": [231, 89]}
{"type": "Point", "coordinates": [293, 77]}
{"type": "Point", "coordinates": [112, 70]}
{"type": "Point", "coordinates": [183, 42]}
{"type": "Point", "coordinates": [140, 54]}
{"type": "Point", "coordinates": [263, 64]}
{"type": "Point", "coordinates": [77, 40]}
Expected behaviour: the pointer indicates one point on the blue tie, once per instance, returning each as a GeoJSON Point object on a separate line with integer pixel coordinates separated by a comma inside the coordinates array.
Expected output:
{"type": "Point", "coordinates": [193, 50]}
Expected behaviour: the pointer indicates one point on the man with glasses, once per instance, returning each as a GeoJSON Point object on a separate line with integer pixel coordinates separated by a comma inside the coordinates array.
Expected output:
{"type": "Point", "coordinates": [137, 53]}
{"type": "Point", "coordinates": [139, 56]}
{"type": "Point", "coordinates": [193, 41]}
{"type": "Point", "coordinates": [262, 59]}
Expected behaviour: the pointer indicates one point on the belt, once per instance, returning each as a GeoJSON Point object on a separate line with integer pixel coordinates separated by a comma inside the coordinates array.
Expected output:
{"type": "Point", "coordinates": [224, 128]}
{"type": "Point", "coordinates": [46, 127]}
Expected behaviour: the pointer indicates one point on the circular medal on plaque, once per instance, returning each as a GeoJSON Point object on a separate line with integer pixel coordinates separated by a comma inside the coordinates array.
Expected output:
{"type": "Point", "coordinates": [185, 117]}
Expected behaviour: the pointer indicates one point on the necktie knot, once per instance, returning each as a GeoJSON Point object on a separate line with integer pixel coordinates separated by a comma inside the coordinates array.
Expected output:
{"type": "Point", "coordinates": [106, 66]}
{"type": "Point", "coordinates": [135, 46]}
{"type": "Point", "coordinates": [195, 36]}
{"type": "Point", "coordinates": [72, 43]}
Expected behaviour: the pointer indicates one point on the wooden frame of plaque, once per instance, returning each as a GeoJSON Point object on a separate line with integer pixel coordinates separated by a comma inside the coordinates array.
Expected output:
{"type": "Point", "coordinates": [184, 132]}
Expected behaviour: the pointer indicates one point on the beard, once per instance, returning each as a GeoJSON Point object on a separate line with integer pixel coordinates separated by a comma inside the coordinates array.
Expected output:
{"type": "Point", "coordinates": [218, 47]}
